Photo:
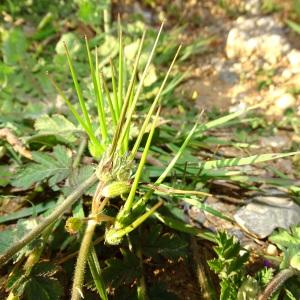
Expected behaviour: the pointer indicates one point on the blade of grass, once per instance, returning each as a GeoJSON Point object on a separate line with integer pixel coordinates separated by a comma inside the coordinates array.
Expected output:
{"type": "Point", "coordinates": [152, 108]}
{"type": "Point", "coordinates": [114, 86]}
{"type": "Point", "coordinates": [177, 156]}
{"type": "Point", "coordinates": [230, 162]}
{"type": "Point", "coordinates": [110, 103]}
{"type": "Point", "coordinates": [222, 120]}
{"type": "Point", "coordinates": [100, 102]}
{"type": "Point", "coordinates": [96, 273]}
{"type": "Point", "coordinates": [167, 190]}
{"type": "Point", "coordinates": [78, 89]}
{"type": "Point", "coordinates": [183, 227]}
{"type": "Point", "coordinates": [76, 115]}
{"type": "Point", "coordinates": [207, 208]}
{"type": "Point", "coordinates": [139, 89]}
{"type": "Point", "coordinates": [126, 139]}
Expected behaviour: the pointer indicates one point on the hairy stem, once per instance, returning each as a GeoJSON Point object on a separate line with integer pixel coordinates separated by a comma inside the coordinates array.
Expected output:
{"type": "Point", "coordinates": [276, 283]}
{"type": "Point", "coordinates": [82, 259]}
{"type": "Point", "coordinates": [59, 211]}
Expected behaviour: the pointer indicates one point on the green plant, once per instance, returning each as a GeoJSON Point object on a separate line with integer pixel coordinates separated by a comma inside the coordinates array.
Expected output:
{"type": "Point", "coordinates": [230, 265]}
{"type": "Point", "coordinates": [124, 195]}
{"type": "Point", "coordinates": [289, 243]}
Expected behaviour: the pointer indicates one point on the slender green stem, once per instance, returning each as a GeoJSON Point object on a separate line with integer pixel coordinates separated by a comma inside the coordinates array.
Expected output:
{"type": "Point", "coordinates": [277, 282]}
{"type": "Point", "coordinates": [114, 236]}
{"type": "Point", "coordinates": [78, 89]}
{"type": "Point", "coordinates": [35, 255]}
{"type": "Point", "coordinates": [129, 201]}
{"type": "Point", "coordinates": [58, 212]}
{"type": "Point", "coordinates": [125, 143]}
{"type": "Point", "coordinates": [162, 177]}
{"type": "Point", "coordinates": [114, 86]}
{"type": "Point", "coordinates": [78, 280]}
{"type": "Point", "coordinates": [121, 63]}
{"type": "Point", "coordinates": [113, 111]}
{"type": "Point", "coordinates": [176, 157]}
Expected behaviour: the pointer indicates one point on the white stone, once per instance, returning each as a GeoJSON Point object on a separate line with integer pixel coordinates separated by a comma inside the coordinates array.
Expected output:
{"type": "Point", "coordinates": [271, 250]}
{"type": "Point", "coordinates": [285, 101]}
{"type": "Point", "coordinates": [286, 74]}
{"type": "Point", "coordinates": [259, 37]}
{"type": "Point", "coordinates": [294, 57]}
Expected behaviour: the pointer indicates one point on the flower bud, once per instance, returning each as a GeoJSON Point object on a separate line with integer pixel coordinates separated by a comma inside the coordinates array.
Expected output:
{"type": "Point", "coordinates": [115, 189]}
{"type": "Point", "coordinates": [73, 225]}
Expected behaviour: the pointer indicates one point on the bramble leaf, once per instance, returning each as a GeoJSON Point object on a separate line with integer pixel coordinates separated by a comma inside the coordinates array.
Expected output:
{"type": "Point", "coordinates": [42, 285]}
{"type": "Point", "coordinates": [229, 265]}
{"type": "Point", "coordinates": [56, 125]}
{"type": "Point", "coordinates": [123, 271]}
{"type": "Point", "coordinates": [167, 244]}
{"type": "Point", "coordinates": [10, 236]}
{"type": "Point", "coordinates": [54, 168]}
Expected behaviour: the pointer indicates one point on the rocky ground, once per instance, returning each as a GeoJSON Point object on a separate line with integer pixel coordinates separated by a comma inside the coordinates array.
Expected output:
{"type": "Point", "coordinates": [254, 60]}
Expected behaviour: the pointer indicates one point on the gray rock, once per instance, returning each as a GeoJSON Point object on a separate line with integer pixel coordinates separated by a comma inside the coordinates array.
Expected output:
{"type": "Point", "coordinates": [229, 77]}
{"type": "Point", "coordinates": [264, 215]}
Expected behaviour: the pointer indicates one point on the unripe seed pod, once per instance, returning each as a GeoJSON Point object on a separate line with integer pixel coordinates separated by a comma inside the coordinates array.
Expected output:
{"type": "Point", "coordinates": [115, 189]}
{"type": "Point", "coordinates": [73, 225]}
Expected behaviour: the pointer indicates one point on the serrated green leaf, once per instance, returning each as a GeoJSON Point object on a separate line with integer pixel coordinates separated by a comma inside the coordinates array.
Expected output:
{"type": "Point", "coordinates": [229, 265]}
{"type": "Point", "coordinates": [14, 46]}
{"type": "Point", "coordinates": [121, 271]}
{"type": "Point", "coordinates": [284, 238]}
{"type": "Point", "coordinates": [42, 288]}
{"type": "Point", "coordinates": [56, 125]}
{"type": "Point", "coordinates": [10, 236]}
{"type": "Point", "coordinates": [5, 175]}
{"type": "Point", "coordinates": [167, 244]}
{"type": "Point", "coordinates": [264, 276]}
{"type": "Point", "coordinates": [42, 285]}
{"type": "Point", "coordinates": [55, 168]}
{"type": "Point", "coordinates": [78, 176]}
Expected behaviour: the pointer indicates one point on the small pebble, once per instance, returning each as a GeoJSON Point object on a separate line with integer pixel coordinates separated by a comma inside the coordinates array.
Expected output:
{"type": "Point", "coordinates": [272, 250]}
